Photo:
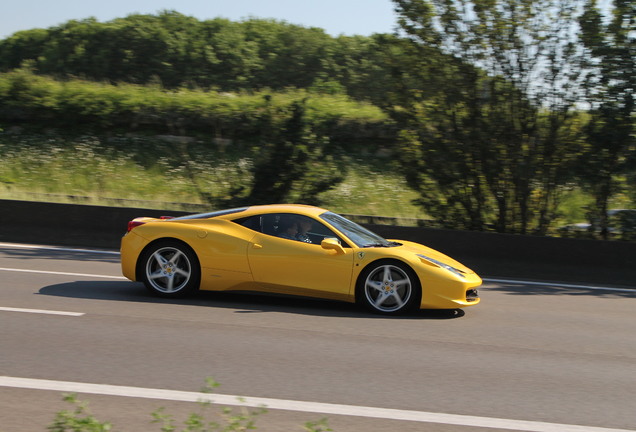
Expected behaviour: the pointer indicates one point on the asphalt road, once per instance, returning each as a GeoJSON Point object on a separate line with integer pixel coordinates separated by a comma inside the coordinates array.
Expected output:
{"type": "Point", "coordinates": [529, 357]}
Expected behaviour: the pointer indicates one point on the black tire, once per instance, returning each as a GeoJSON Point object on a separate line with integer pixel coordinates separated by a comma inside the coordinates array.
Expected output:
{"type": "Point", "coordinates": [170, 268]}
{"type": "Point", "coordinates": [388, 287]}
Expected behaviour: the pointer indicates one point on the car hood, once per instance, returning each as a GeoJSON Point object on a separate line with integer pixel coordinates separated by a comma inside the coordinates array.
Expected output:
{"type": "Point", "coordinates": [419, 249]}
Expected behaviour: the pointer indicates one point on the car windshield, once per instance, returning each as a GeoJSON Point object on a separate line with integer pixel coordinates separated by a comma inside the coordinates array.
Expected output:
{"type": "Point", "coordinates": [359, 235]}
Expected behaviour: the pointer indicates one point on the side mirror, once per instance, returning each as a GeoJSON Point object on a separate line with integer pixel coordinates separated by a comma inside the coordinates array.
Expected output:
{"type": "Point", "coordinates": [332, 244]}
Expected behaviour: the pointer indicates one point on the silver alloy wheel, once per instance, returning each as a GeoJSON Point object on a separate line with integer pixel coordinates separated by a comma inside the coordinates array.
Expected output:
{"type": "Point", "coordinates": [168, 270]}
{"type": "Point", "coordinates": [388, 288]}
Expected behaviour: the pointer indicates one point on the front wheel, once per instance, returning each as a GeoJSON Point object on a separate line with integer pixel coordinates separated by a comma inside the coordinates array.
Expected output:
{"type": "Point", "coordinates": [170, 269]}
{"type": "Point", "coordinates": [388, 287]}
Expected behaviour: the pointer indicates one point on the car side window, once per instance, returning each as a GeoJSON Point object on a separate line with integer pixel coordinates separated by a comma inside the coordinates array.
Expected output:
{"type": "Point", "coordinates": [252, 222]}
{"type": "Point", "coordinates": [290, 226]}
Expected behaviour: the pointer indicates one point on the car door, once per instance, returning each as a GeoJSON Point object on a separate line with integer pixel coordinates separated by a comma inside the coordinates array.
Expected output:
{"type": "Point", "coordinates": [290, 266]}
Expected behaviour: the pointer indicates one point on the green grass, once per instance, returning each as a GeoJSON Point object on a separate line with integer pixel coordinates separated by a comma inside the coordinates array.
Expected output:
{"type": "Point", "coordinates": [146, 172]}
{"type": "Point", "coordinates": [370, 190]}
{"type": "Point", "coordinates": [575, 204]}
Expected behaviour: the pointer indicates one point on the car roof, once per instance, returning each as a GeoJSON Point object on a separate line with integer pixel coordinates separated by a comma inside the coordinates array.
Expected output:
{"type": "Point", "coordinates": [258, 209]}
{"type": "Point", "coordinates": [287, 208]}
{"type": "Point", "coordinates": [284, 208]}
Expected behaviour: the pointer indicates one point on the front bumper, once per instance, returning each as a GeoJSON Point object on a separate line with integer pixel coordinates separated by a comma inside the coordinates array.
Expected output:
{"type": "Point", "coordinates": [449, 292]}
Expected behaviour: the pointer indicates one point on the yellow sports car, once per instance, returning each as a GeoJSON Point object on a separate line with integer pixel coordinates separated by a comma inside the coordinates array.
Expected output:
{"type": "Point", "coordinates": [292, 249]}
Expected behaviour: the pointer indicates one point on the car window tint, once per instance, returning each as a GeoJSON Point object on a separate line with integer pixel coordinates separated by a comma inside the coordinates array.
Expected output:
{"type": "Point", "coordinates": [290, 226]}
{"type": "Point", "coordinates": [252, 222]}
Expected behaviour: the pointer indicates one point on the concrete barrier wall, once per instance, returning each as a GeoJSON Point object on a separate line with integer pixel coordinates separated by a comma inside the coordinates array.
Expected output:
{"type": "Point", "coordinates": [529, 257]}
{"type": "Point", "coordinates": [490, 254]}
{"type": "Point", "coordinates": [68, 224]}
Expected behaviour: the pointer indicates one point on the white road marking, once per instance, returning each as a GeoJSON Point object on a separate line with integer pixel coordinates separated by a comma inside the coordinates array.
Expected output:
{"type": "Point", "coordinates": [62, 273]}
{"type": "Point", "coordinates": [55, 248]}
{"type": "Point", "coordinates": [546, 284]}
{"type": "Point", "coordinates": [291, 405]}
{"type": "Point", "coordinates": [558, 285]}
{"type": "Point", "coordinates": [41, 311]}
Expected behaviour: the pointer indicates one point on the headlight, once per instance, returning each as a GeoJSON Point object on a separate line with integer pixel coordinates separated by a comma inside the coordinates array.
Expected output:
{"type": "Point", "coordinates": [442, 265]}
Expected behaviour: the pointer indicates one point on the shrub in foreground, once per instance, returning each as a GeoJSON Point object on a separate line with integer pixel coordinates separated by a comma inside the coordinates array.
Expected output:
{"type": "Point", "coordinates": [80, 418]}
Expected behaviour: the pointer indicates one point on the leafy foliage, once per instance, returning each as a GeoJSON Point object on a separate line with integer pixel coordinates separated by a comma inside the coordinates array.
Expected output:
{"type": "Point", "coordinates": [204, 420]}
{"type": "Point", "coordinates": [26, 97]}
{"type": "Point", "coordinates": [482, 100]}
{"type": "Point", "coordinates": [78, 420]}
{"type": "Point", "coordinates": [611, 150]}
{"type": "Point", "coordinates": [177, 51]}
{"type": "Point", "coordinates": [293, 159]}
{"type": "Point", "coordinates": [490, 129]}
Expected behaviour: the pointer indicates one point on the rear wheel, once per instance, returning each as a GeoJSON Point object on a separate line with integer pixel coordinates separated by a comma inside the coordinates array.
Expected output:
{"type": "Point", "coordinates": [388, 287]}
{"type": "Point", "coordinates": [170, 269]}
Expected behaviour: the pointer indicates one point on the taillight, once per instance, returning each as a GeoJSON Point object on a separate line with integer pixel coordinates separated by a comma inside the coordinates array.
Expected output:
{"type": "Point", "coordinates": [133, 224]}
{"type": "Point", "coordinates": [142, 220]}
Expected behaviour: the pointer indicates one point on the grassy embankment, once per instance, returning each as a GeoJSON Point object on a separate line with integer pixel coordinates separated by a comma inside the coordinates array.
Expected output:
{"type": "Point", "coordinates": [143, 172]}
{"type": "Point", "coordinates": [103, 143]}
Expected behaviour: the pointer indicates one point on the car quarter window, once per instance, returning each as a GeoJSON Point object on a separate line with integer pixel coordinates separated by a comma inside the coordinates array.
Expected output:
{"type": "Point", "coordinates": [290, 226]}
{"type": "Point", "coordinates": [251, 222]}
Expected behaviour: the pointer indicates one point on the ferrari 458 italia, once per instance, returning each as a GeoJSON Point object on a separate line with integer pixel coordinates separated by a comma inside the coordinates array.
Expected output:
{"type": "Point", "coordinates": [292, 249]}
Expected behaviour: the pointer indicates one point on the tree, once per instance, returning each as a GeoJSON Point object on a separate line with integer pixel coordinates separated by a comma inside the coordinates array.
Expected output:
{"type": "Point", "coordinates": [611, 43]}
{"type": "Point", "coordinates": [489, 129]}
{"type": "Point", "coordinates": [292, 163]}
{"type": "Point", "coordinates": [176, 50]}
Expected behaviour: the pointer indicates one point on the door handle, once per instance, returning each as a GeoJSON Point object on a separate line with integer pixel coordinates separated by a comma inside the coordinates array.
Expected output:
{"type": "Point", "coordinates": [257, 246]}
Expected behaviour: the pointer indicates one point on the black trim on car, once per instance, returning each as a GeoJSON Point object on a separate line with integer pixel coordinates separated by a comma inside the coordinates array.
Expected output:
{"type": "Point", "coordinates": [212, 214]}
